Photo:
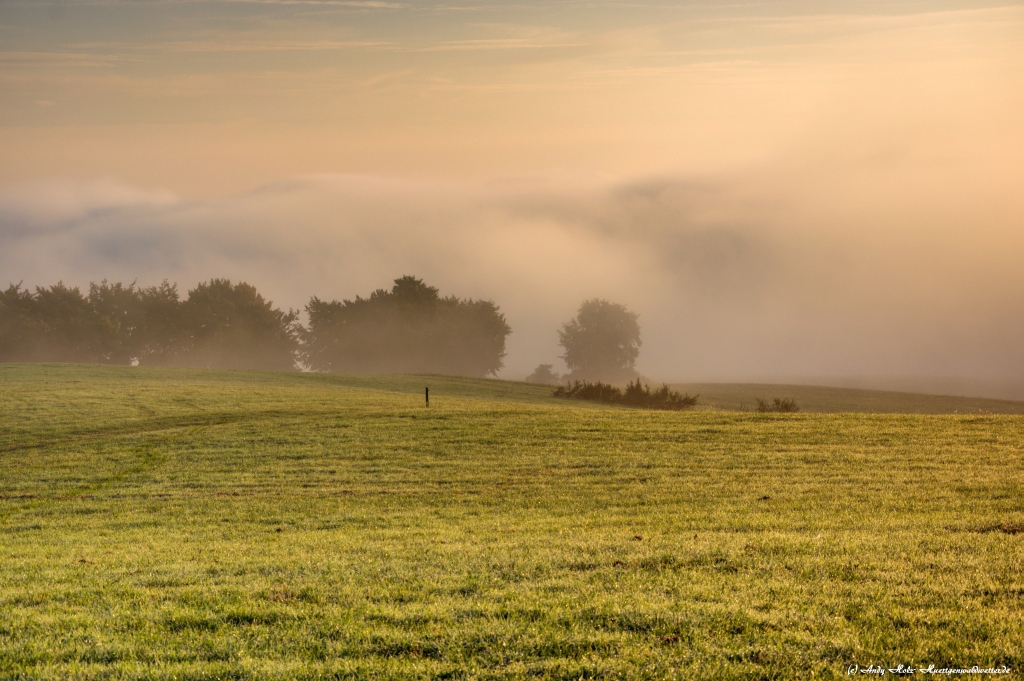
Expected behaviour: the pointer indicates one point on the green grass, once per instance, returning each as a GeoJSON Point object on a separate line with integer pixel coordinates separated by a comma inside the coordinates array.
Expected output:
{"type": "Point", "coordinates": [193, 525]}
{"type": "Point", "coordinates": [817, 399]}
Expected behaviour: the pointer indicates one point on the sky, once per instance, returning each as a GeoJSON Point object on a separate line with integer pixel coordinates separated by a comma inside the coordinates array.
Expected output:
{"type": "Point", "coordinates": [816, 191]}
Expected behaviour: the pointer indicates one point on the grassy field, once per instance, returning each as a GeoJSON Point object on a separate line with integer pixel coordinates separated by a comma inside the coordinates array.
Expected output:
{"type": "Point", "coordinates": [816, 399]}
{"type": "Point", "coordinates": [218, 525]}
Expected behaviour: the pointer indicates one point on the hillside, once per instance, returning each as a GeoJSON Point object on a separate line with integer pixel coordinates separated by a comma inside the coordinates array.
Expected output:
{"type": "Point", "coordinates": [816, 399]}
{"type": "Point", "coordinates": [162, 523]}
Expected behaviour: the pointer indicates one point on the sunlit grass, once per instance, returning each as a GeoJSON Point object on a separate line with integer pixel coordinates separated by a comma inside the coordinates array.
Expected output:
{"type": "Point", "coordinates": [186, 524]}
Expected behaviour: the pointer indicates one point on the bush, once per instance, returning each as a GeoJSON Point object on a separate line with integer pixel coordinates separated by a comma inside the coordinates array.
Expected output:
{"type": "Point", "coordinates": [635, 395]}
{"type": "Point", "coordinates": [786, 405]}
{"type": "Point", "coordinates": [543, 375]}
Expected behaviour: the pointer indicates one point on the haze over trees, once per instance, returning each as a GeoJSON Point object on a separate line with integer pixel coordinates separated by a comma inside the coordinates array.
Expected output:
{"type": "Point", "coordinates": [409, 329]}
{"type": "Point", "coordinates": [601, 343]}
{"type": "Point", "coordinates": [219, 325]}
{"type": "Point", "coordinates": [233, 327]}
{"type": "Point", "coordinates": [113, 324]}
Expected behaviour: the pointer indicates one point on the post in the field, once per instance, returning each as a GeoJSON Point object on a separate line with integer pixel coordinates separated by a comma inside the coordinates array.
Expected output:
{"type": "Point", "coordinates": [428, 396]}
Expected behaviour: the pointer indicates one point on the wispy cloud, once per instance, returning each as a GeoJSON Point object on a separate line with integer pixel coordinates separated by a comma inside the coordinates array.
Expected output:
{"type": "Point", "coordinates": [370, 4]}
{"type": "Point", "coordinates": [232, 45]}
{"type": "Point", "coordinates": [59, 59]}
{"type": "Point", "coordinates": [360, 4]}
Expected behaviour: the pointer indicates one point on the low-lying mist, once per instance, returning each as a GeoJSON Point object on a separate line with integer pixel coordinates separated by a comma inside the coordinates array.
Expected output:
{"type": "Point", "coordinates": [873, 272]}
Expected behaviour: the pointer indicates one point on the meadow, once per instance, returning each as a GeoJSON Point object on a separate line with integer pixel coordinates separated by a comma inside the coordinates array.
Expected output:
{"type": "Point", "coordinates": [824, 400]}
{"type": "Point", "coordinates": [185, 524]}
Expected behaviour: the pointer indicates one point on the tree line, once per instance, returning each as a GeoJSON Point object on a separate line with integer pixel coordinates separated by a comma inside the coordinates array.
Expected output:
{"type": "Point", "coordinates": [218, 324]}
{"type": "Point", "coordinates": [410, 328]}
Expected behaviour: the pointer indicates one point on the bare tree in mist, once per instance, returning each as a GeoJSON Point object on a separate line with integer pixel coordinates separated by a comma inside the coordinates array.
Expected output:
{"type": "Point", "coordinates": [601, 343]}
{"type": "Point", "coordinates": [409, 329]}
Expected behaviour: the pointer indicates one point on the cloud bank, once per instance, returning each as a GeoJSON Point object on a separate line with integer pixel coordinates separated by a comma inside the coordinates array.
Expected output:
{"type": "Point", "coordinates": [735, 277]}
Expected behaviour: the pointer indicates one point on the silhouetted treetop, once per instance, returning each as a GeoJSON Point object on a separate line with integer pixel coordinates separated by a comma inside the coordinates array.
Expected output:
{"type": "Point", "coordinates": [413, 293]}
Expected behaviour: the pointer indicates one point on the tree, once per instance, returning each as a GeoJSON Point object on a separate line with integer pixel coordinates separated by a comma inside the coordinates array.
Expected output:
{"type": "Point", "coordinates": [59, 324]}
{"type": "Point", "coordinates": [409, 329]}
{"type": "Point", "coordinates": [116, 307]}
{"type": "Point", "coordinates": [160, 334]}
{"type": "Point", "coordinates": [221, 325]}
{"type": "Point", "coordinates": [20, 331]}
{"type": "Point", "coordinates": [601, 343]}
{"type": "Point", "coordinates": [232, 327]}
{"type": "Point", "coordinates": [68, 328]}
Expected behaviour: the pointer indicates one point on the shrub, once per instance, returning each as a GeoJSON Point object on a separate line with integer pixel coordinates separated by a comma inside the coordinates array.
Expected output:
{"type": "Point", "coordinates": [786, 405]}
{"type": "Point", "coordinates": [635, 395]}
{"type": "Point", "coordinates": [544, 375]}
{"type": "Point", "coordinates": [662, 398]}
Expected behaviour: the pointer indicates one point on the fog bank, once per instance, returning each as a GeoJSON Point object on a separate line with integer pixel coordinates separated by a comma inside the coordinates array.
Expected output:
{"type": "Point", "coordinates": [809, 271]}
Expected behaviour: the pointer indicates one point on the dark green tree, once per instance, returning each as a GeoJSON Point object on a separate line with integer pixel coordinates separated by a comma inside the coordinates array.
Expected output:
{"type": "Point", "coordinates": [59, 324]}
{"type": "Point", "coordinates": [117, 309]}
{"type": "Point", "coordinates": [71, 329]}
{"type": "Point", "coordinates": [221, 325]}
{"type": "Point", "coordinates": [231, 326]}
{"type": "Point", "coordinates": [160, 334]}
{"type": "Point", "coordinates": [20, 330]}
{"type": "Point", "coordinates": [409, 329]}
{"type": "Point", "coordinates": [601, 343]}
